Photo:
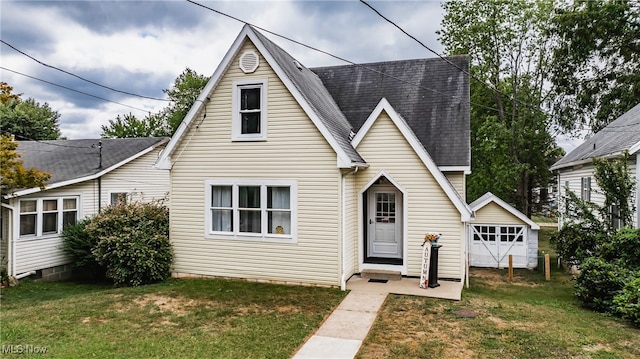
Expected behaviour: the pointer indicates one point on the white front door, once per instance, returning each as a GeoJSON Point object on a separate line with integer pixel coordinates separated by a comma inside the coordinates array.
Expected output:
{"type": "Point", "coordinates": [384, 239]}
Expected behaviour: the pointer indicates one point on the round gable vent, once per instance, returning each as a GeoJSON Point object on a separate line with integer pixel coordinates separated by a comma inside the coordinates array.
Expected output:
{"type": "Point", "coordinates": [249, 62]}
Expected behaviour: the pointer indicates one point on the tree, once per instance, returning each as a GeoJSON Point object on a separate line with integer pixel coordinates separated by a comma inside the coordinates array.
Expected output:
{"type": "Point", "coordinates": [27, 120]}
{"type": "Point", "coordinates": [12, 173]}
{"type": "Point", "coordinates": [6, 93]}
{"type": "Point", "coordinates": [597, 62]}
{"type": "Point", "coordinates": [186, 89]}
{"type": "Point", "coordinates": [510, 140]}
{"type": "Point", "coordinates": [129, 126]}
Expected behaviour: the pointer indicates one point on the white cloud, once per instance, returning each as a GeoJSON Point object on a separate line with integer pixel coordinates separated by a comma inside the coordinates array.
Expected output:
{"type": "Point", "coordinates": [151, 49]}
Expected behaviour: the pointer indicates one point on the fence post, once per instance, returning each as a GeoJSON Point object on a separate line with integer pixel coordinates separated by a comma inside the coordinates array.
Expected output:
{"type": "Point", "coordinates": [547, 267]}
{"type": "Point", "coordinates": [510, 267]}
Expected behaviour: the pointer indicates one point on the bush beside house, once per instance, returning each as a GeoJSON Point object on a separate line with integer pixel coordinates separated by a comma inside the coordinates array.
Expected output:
{"type": "Point", "coordinates": [129, 242]}
{"type": "Point", "coordinates": [607, 259]}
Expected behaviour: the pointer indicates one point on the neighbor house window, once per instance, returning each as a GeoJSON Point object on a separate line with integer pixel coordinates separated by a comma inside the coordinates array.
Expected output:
{"type": "Point", "coordinates": [252, 209]}
{"type": "Point", "coordinates": [249, 110]}
{"type": "Point", "coordinates": [585, 189]}
{"type": "Point", "coordinates": [47, 215]}
{"type": "Point", "coordinates": [118, 198]}
{"type": "Point", "coordinates": [28, 217]}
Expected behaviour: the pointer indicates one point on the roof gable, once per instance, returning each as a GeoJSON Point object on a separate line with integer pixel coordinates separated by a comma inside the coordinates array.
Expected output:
{"type": "Point", "coordinates": [620, 135]}
{"type": "Point", "coordinates": [492, 198]}
{"type": "Point", "coordinates": [74, 161]}
{"type": "Point", "coordinates": [431, 95]}
{"type": "Point", "coordinates": [303, 84]}
{"type": "Point", "coordinates": [417, 147]}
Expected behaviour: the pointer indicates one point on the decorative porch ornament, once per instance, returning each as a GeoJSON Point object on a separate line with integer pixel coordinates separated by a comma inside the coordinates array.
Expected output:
{"type": "Point", "coordinates": [431, 237]}
{"type": "Point", "coordinates": [426, 257]}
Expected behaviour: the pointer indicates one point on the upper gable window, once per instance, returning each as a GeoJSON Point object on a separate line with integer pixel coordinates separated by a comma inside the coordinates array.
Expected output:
{"type": "Point", "coordinates": [249, 110]}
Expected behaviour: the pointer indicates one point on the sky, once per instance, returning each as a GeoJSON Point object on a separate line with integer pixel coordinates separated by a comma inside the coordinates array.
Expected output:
{"type": "Point", "coordinates": [140, 47]}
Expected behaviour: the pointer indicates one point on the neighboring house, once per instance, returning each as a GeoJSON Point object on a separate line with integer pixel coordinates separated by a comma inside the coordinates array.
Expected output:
{"type": "Point", "coordinates": [288, 174]}
{"type": "Point", "coordinates": [500, 230]}
{"type": "Point", "coordinates": [86, 175]}
{"type": "Point", "coordinates": [575, 171]}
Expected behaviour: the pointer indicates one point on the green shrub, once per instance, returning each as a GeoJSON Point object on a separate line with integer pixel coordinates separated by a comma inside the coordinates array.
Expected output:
{"type": "Point", "coordinates": [133, 243]}
{"type": "Point", "coordinates": [598, 282]}
{"type": "Point", "coordinates": [627, 301]}
{"type": "Point", "coordinates": [78, 243]}
{"type": "Point", "coordinates": [575, 242]}
{"type": "Point", "coordinates": [624, 246]}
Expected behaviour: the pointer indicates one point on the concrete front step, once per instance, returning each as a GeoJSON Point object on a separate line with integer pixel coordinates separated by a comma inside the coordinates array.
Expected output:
{"type": "Point", "coordinates": [381, 274]}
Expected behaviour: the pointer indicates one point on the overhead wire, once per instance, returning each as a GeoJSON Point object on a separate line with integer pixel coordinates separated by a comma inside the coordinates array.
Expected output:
{"type": "Point", "coordinates": [332, 55]}
{"type": "Point", "coordinates": [489, 86]}
{"type": "Point", "coordinates": [82, 78]}
{"type": "Point", "coordinates": [74, 90]}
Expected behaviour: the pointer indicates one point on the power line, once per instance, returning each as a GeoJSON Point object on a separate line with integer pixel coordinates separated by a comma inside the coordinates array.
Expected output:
{"type": "Point", "coordinates": [332, 55]}
{"type": "Point", "coordinates": [80, 77]}
{"type": "Point", "coordinates": [70, 89]}
{"type": "Point", "coordinates": [489, 86]}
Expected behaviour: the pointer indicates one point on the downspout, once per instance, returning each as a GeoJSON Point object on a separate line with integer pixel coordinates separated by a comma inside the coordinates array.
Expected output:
{"type": "Point", "coordinates": [343, 276]}
{"type": "Point", "coordinates": [638, 189]}
{"type": "Point", "coordinates": [10, 240]}
{"type": "Point", "coordinates": [100, 177]}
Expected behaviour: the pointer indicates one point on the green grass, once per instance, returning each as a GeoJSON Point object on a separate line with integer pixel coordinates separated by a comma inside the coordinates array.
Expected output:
{"type": "Point", "coordinates": [527, 318]}
{"type": "Point", "coordinates": [195, 318]}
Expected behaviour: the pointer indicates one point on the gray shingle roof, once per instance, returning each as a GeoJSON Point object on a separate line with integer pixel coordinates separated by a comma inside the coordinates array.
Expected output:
{"type": "Point", "coordinates": [619, 135]}
{"type": "Point", "coordinates": [430, 94]}
{"type": "Point", "coordinates": [316, 95]}
{"type": "Point", "coordinates": [67, 160]}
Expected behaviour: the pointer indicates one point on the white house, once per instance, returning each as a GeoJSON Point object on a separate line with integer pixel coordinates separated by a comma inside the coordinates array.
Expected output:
{"type": "Point", "coordinates": [288, 174]}
{"type": "Point", "coordinates": [575, 171]}
{"type": "Point", "coordinates": [86, 175]}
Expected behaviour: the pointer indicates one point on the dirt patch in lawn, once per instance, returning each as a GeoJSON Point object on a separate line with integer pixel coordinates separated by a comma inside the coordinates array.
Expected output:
{"type": "Point", "coordinates": [410, 327]}
{"type": "Point", "coordinates": [495, 278]}
{"type": "Point", "coordinates": [177, 306]}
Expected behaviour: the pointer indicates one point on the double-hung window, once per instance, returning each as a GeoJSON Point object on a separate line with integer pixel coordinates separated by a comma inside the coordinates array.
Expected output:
{"type": "Point", "coordinates": [249, 110]}
{"type": "Point", "coordinates": [46, 216]}
{"type": "Point", "coordinates": [252, 209]}
{"type": "Point", "coordinates": [585, 189]}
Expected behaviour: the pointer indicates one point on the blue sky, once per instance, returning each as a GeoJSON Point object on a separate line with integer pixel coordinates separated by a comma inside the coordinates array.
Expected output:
{"type": "Point", "coordinates": [142, 46]}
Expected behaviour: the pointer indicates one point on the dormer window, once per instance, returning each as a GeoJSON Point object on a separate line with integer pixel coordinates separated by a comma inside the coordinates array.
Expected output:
{"type": "Point", "coordinates": [249, 110]}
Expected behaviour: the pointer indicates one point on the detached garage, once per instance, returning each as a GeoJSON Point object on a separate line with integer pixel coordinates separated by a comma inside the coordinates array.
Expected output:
{"type": "Point", "coordinates": [499, 230]}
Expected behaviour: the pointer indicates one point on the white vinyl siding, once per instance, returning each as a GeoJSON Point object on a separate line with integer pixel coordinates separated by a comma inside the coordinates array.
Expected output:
{"type": "Point", "coordinates": [137, 177]}
{"type": "Point", "coordinates": [493, 213]}
{"type": "Point", "coordinates": [573, 177]}
{"type": "Point", "coordinates": [458, 181]}
{"type": "Point", "coordinates": [428, 207]}
{"type": "Point", "coordinates": [295, 149]}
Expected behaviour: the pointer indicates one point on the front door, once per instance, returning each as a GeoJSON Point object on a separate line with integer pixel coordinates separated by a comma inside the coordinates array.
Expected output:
{"type": "Point", "coordinates": [384, 234]}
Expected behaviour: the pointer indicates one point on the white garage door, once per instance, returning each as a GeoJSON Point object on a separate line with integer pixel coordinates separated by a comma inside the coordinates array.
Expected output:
{"type": "Point", "coordinates": [491, 245]}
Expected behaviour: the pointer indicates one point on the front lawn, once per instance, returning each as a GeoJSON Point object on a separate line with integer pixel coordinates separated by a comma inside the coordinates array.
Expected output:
{"type": "Point", "coordinates": [194, 318]}
{"type": "Point", "coordinates": [528, 318]}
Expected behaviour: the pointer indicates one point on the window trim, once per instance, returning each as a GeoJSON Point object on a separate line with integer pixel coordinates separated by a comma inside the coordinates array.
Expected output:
{"type": "Point", "coordinates": [264, 234]}
{"type": "Point", "coordinates": [236, 118]}
{"type": "Point", "coordinates": [40, 216]}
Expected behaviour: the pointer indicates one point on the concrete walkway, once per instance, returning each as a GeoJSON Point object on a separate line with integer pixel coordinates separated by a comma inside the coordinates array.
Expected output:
{"type": "Point", "coordinates": [341, 335]}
